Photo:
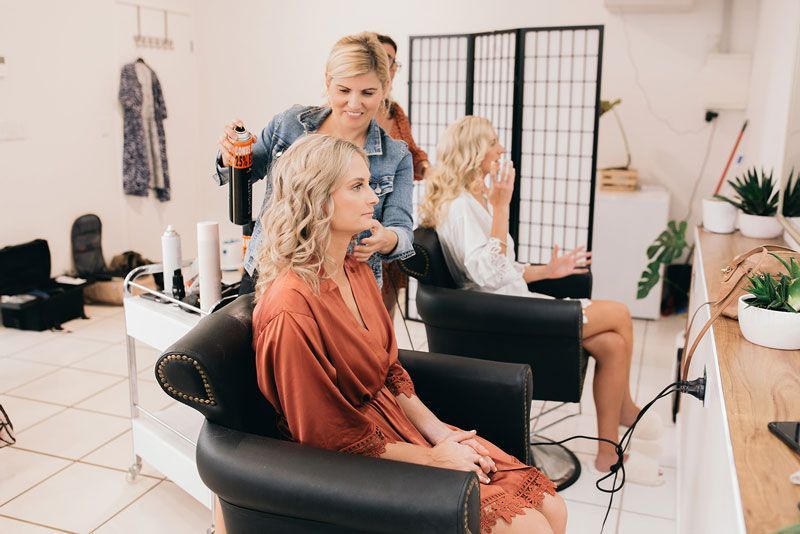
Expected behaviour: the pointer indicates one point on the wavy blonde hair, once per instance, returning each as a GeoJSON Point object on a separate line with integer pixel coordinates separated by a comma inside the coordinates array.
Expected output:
{"type": "Point", "coordinates": [459, 155]}
{"type": "Point", "coordinates": [297, 223]}
{"type": "Point", "coordinates": [355, 55]}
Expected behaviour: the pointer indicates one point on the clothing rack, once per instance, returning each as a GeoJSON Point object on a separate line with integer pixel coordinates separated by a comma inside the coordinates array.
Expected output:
{"type": "Point", "coordinates": [152, 41]}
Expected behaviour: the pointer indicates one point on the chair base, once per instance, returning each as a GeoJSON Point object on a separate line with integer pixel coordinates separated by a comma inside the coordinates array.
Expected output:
{"type": "Point", "coordinates": [556, 461]}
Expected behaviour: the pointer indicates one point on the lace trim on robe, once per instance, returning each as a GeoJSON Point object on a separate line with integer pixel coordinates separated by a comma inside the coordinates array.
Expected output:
{"type": "Point", "coordinates": [501, 268]}
{"type": "Point", "coordinates": [399, 382]}
{"type": "Point", "coordinates": [506, 506]}
{"type": "Point", "coordinates": [372, 445]}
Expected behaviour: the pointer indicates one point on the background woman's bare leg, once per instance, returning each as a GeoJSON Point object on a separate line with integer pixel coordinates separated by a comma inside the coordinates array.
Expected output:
{"type": "Point", "coordinates": [609, 387]}
{"type": "Point", "coordinates": [610, 316]}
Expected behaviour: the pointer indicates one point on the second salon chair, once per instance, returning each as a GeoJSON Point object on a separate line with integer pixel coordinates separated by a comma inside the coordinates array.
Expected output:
{"type": "Point", "coordinates": [545, 334]}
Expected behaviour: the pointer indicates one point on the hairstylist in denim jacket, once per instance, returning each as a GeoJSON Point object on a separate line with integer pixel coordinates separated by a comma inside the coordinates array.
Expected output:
{"type": "Point", "coordinates": [357, 77]}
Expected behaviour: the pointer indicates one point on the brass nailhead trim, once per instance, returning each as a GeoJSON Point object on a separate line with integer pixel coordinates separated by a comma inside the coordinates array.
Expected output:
{"type": "Point", "coordinates": [209, 401]}
{"type": "Point", "coordinates": [424, 253]}
{"type": "Point", "coordinates": [527, 424]}
{"type": "Point", "coordinates": [472, 485]}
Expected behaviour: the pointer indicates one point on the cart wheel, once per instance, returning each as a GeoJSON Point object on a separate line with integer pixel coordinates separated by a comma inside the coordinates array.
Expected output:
{"type": "Point", "coordinates": [133, 472]}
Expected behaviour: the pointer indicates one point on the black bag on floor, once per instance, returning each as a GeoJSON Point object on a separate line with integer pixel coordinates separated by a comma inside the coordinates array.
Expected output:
{"type": "Point", "coordinates": [87, 248]}
{"type": "Point", "coordinates": [34, 301]}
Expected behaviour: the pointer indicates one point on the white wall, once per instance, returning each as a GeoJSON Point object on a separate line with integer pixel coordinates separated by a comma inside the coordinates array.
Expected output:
{"type": "Point", "coordinates": [289, 42]}
{"type": "Point", "coordinates": [64, 60]}
{"type": "Point", "coordinates": [254, 58]}
{"type": "Point", "coordinates": [774, 89]}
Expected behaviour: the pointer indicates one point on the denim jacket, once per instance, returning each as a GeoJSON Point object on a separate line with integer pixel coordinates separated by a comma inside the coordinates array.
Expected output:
{"type": "Point", "coordinates": [391, 178]}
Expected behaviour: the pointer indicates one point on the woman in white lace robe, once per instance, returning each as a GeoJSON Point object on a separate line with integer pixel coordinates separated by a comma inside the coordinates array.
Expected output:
{"type": "Point", "coordinates": [470, 213]}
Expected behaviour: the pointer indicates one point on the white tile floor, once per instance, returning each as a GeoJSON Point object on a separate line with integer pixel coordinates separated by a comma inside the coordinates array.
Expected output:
{"type": "Point", "coordinates": [68, 397]}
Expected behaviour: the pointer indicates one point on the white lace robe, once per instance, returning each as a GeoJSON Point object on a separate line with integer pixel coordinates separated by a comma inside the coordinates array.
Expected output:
{"type": "Point", "coordinates": [473, 255]}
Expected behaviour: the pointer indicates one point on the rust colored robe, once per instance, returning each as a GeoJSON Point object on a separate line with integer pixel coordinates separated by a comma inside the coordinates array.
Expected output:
{"type": "Point", "coordinates": [335, 382]}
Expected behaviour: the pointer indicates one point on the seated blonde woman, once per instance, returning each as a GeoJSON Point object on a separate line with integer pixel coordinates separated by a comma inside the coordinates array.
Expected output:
{"type": "Point", "coordinates": [326, 353]}
{"type": "Point", "coordinates": [471, 218]}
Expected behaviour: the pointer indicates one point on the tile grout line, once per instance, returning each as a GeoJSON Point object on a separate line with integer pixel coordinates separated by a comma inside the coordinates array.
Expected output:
{"type": "Point", "coordinates": [103, 444]}
{"type": "Point", "coordinates": [36, 524]}
{"type": "Point", "coordinates": [55, 369]}
{"type": "Point", "coordinates": [73, 405]}
{"type": "Point", "coordinates": [128, 505]}
{"type": "Point", "coordinates": [118, 469]}
{"type": "Point", "coordinates": [45, 479]}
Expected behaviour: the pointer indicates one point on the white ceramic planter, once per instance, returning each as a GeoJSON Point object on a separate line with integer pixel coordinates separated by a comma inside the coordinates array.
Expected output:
{"type": "Point", "coordinates": [759, 226]}
{"type": "Point", "coordinates": [769, 328]}
{"type": "Point", "coordinates": [719, 216]}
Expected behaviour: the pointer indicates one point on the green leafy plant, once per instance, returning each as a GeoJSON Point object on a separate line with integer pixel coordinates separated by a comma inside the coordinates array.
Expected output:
{"type": "Point", "coordinates": [791, 197]}
{"type": "Point", "coordinates": [668, 247]}
{"type": "Point", "coordinates": [755, 194]}
{"type": "Point", "coordinates": [782, 294]}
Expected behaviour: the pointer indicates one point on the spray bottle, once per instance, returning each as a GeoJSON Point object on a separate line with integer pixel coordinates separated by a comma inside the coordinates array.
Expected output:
{"type": "Point", "coordinates": [170, 256]}
{"type": "Point", "coordinates": [240, 188]}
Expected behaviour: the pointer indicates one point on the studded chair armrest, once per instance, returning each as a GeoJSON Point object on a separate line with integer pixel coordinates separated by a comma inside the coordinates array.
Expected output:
{"type": "Point", "coordinates": [213, 370]}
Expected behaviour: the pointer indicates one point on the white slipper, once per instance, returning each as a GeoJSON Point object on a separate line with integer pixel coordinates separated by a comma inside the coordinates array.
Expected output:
{"type": "Point", "coordinates": [648, 447]}
{"type": "Point", "coordinates": [639, 469]}
{"type": "Point", "coordinates": [649, 427]}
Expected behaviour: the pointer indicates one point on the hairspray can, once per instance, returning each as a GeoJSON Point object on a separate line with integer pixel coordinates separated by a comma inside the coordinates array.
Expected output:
{"type": "Point", "coordinates": [170, 256]}
{"type": "Point", "coordinates": [240, 189]}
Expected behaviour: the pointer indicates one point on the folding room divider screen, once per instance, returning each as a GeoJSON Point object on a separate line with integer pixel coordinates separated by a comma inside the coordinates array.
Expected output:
{"type": "Point", "coordinates": [540, 87]}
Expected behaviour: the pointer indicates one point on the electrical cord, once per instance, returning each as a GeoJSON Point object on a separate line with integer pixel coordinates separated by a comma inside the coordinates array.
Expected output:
{"type": "Point", "coordinates": [696, 388]}
{"type": "Point", "coordinates": [702, 169]}
{"type": "Point", "coordinates": [642, 89]}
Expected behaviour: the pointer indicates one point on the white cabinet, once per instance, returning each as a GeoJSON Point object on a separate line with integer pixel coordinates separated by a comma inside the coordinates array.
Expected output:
{"type": "Point", "coordinates": [625, 224]}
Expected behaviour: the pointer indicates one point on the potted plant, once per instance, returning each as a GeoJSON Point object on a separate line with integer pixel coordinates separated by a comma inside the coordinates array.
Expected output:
{"type": "Point", "coordinates": [791, 207]}
{"type": "Point", "coordinates": [668, 247]}
{"type": "Point", "coordinates": [769, 314]}
{"type": "Point", "coordinates": [757, 199]}
{"type": "Point", "coordinates": [791, 199]}
{"type": "Point", "coordinates": [623, 177]}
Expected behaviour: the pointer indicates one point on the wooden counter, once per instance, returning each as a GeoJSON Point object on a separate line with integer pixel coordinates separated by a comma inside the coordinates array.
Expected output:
{"type": "Point", "coordinates": [758, 385]}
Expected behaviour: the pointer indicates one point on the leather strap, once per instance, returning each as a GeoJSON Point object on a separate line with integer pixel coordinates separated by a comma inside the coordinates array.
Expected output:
{"type": "Point", "coordinates": [723, 301]}
{"type": "Point", "coordinates": [718, 307]}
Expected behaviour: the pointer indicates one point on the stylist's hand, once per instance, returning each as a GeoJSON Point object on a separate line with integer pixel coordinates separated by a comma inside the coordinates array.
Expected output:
{"type": "Point", "coordinates": [225, 143]}
{"type": "Point", "coordinates": [573, 262]}
{"type": "Point", "coordinates": [502, 184]}
{"type": "Point", "coordinates": [382, 240]}
{"type": "Point", "coordinates": [450, 453]}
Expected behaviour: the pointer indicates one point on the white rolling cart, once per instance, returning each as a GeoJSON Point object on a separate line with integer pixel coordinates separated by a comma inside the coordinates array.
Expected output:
{"type": "Point", "coordinates": [166, 439]}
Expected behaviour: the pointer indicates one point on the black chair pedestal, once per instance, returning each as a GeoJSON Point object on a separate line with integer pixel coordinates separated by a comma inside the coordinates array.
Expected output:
{"type": "Point", "coordinates": [556, 461]}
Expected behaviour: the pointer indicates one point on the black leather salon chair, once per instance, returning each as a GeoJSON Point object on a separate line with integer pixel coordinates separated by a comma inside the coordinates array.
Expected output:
{"type": "Point", "coordinates": [266, 483]}
{"type": "Point", "coordinates": [544, 334]}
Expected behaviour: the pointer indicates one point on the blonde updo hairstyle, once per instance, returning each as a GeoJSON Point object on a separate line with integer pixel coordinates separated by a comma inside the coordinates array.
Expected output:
{"type": "Point", "coordinates": [459, 155]}
{"type": "Point", "coordinates": [355, 55]}
{"type": "Point", "coordinates": [297, 223]}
